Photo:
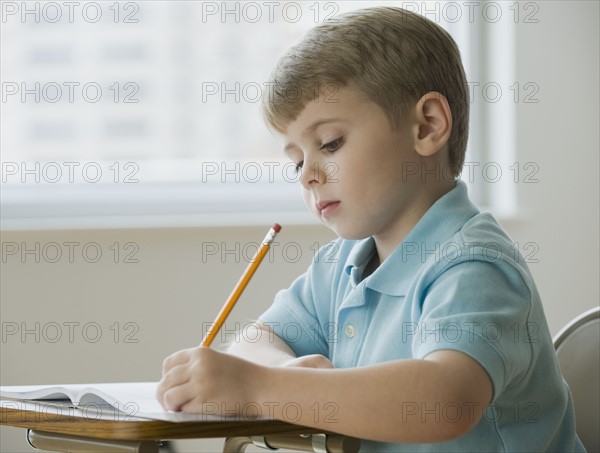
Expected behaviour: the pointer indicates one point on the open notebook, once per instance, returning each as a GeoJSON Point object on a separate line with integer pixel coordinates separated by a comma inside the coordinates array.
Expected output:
{"type": "Point", "coordinates": [131, 399]}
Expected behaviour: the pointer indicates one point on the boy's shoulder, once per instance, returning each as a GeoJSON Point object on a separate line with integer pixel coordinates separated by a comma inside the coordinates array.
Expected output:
{"type": "Point", "coordinates": [480, 247]}
{"type": "Point", "coordinates": [483, 239]}
{"type": "Point", "coordinates": [452, 233]}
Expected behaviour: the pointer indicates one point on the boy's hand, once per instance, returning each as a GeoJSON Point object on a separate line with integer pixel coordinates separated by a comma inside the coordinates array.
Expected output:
{"type": "Point", "coordinates": [310, 361]}
{"type": "Point", "coordinates": [198, 376]}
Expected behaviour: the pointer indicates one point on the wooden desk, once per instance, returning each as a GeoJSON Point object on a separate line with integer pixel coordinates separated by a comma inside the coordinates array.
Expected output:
{"type": "Point", "coordinates": [65, 429]}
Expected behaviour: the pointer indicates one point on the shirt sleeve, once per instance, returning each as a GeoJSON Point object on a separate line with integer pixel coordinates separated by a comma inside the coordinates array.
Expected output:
{"type": "Point", "coordinates": [299, 313]}
{"type": "Point", "coordinates": [481, 309]}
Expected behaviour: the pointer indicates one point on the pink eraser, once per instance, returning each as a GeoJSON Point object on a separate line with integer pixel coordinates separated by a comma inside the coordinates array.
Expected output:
{"type": "Point", "coordinates": [277, 228]}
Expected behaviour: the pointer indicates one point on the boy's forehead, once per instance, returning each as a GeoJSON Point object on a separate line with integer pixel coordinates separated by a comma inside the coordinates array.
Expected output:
{"type": "Point", "coordinates": [341, 105]}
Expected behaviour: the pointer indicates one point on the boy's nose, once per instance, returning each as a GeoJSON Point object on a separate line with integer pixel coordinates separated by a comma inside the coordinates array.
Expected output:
{"type": "Point", "coordinates": [314, 173]}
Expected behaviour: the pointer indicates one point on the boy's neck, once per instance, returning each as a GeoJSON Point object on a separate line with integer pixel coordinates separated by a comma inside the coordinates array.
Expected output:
{"type": "Point", "coordinates": [385, 244]}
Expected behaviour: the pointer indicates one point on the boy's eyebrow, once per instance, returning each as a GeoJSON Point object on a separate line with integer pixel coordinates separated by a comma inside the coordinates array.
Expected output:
{"type": "Point", "coordinates": [318, 123]}
{"type": "Point", "coordinates": [312, 127]}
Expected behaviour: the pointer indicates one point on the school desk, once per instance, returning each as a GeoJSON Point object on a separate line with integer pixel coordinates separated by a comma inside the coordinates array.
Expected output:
{"type": "Point", "coordinates": [64, 429]}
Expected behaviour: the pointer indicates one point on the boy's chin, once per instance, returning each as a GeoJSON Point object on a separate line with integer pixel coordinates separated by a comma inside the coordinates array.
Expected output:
{"type": "Point", "coordinates": [347, 232]}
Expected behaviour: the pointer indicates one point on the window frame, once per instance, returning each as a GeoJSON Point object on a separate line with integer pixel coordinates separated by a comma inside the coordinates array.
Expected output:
{"type": "Point", "coordinates": [194, 203]}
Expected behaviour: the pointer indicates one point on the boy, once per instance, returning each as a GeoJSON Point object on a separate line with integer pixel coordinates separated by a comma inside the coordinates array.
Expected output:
{"type": "Point", "coordinates": [425, 332]}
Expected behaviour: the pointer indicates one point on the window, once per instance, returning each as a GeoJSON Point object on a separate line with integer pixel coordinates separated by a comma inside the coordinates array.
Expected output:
{"type": "Point", "coordinates": [146, 113]}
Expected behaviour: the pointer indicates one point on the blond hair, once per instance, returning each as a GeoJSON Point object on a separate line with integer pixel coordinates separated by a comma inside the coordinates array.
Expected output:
{"type": "Point", "coordinates": [391, 55]}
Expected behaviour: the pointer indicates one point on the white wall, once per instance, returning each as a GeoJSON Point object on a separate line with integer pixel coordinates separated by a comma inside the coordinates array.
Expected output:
{"type": "Point", "coordinates": [560, 134]}
{"type": "Point", "coordinates": [171, 291]}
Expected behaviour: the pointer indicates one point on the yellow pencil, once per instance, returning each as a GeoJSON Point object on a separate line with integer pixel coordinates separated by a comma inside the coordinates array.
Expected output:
{"type": "Point", "coordinates": [241, 285]}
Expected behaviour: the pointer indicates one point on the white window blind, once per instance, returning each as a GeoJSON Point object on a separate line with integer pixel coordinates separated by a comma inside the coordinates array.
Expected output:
{"type": "Point", "coordinates": [146, 113]}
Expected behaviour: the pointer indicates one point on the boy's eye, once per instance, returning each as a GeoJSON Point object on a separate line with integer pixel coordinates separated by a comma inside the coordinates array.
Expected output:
{"type": "Point", "coordinates": [298, 166]}
{"type": "Point", "coordinates": [333, 145]}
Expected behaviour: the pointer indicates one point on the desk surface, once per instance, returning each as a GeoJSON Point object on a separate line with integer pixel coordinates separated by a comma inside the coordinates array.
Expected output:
{"type": "Point", "coordinates": [69, 421]}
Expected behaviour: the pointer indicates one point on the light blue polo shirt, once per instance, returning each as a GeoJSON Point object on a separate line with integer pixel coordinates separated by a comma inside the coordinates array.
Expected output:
{"type": "Point", "coordinates": [456, 282]}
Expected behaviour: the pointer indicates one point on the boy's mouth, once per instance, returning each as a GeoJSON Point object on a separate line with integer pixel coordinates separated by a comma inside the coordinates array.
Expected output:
{"type": "Point", "coordinates": [326, 207]}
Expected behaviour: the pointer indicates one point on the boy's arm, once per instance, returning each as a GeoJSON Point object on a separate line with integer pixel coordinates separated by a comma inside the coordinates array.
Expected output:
{"type": "Point", "coordinates": [427, 400]}
{"type": "Point", "coordinates": [259, 344]}
{"type": "Point", "coordinates": [435, 399]}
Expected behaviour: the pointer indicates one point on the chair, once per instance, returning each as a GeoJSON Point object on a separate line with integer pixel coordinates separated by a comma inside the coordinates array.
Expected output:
{"type": "Point", "coordinates": [317, 443]}
{"type": "Point", "coordinates": [578, 349]}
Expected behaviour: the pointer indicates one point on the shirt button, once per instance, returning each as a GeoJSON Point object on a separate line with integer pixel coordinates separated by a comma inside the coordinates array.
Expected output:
{"type": "Point", "coordinates": [349, 330]}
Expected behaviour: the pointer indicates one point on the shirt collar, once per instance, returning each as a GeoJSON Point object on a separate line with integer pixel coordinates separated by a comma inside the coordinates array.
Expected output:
{"type": "Point", "coordinates": [358, 258]}
{"type": "Point", "coordinates": [441, 221]}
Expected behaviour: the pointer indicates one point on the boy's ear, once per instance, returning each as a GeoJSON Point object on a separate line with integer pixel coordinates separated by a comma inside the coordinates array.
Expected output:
{"type": "Point", "coordinates": [433, 123]}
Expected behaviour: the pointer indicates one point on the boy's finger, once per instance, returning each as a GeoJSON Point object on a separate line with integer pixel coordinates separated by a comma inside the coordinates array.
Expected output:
{"type": "Point", "coordinates": [176, 377]}
{"type": "Point", "coordinates": [177, 358]}
{"type": "Point", "coordinates": [177, 397]}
